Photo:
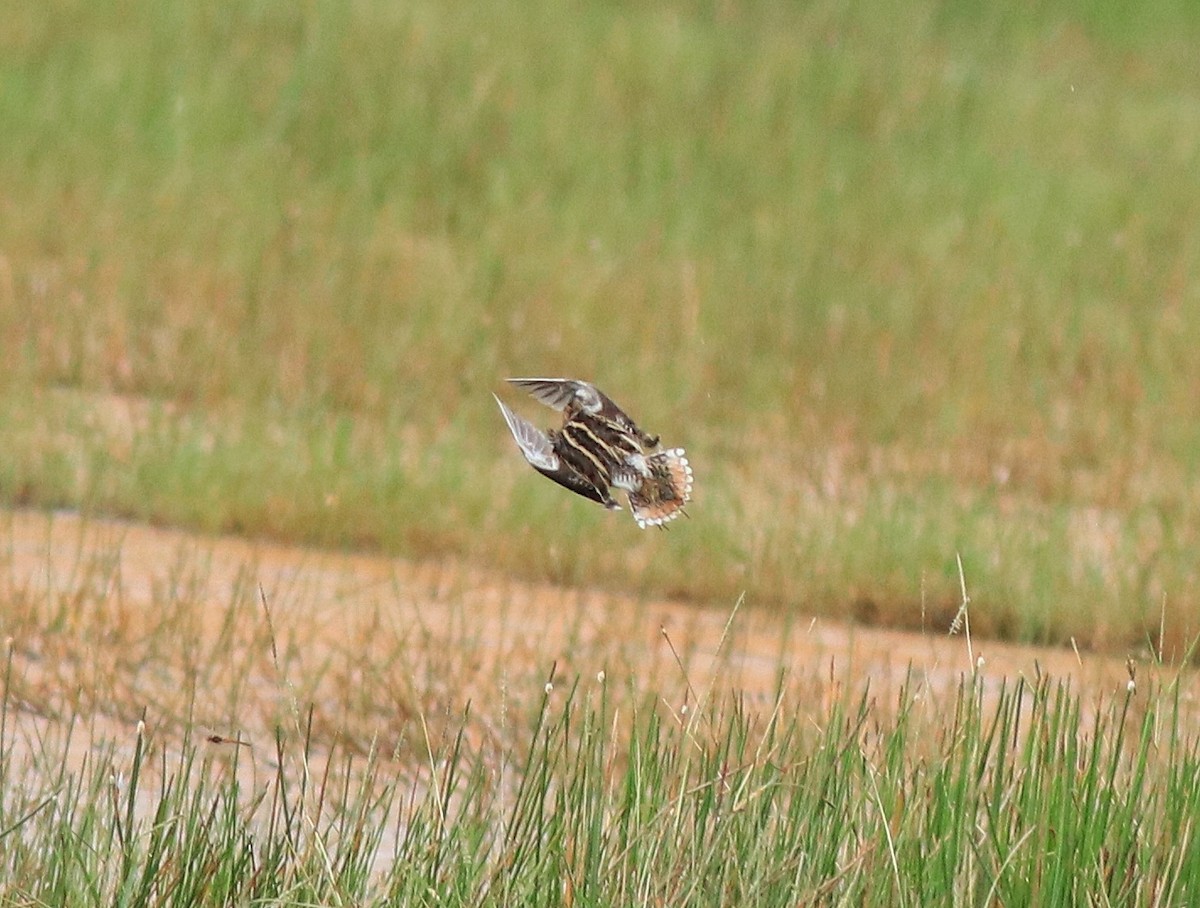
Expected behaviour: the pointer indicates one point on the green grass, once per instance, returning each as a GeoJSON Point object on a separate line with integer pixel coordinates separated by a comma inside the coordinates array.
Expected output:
{"type": "Point", "coordinates": [1032, 795]}
{"type": "Point", "coordinates": [908, 281]}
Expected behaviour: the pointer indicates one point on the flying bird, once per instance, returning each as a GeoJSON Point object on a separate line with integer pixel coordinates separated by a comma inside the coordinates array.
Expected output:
{"type": "Point", "coordinates": [599, 448]}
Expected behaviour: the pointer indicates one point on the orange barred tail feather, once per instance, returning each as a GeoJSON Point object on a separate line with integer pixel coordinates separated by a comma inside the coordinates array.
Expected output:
{"type": "Point", "coordinates": [663, 494]}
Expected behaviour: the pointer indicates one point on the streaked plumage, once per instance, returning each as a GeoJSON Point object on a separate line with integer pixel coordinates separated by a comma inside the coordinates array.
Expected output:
{"type": "Point", "coordinates": [599, 448]}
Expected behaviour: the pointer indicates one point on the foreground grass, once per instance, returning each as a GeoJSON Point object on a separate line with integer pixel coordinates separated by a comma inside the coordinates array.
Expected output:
{"type": "Point", "coordinates": [908, 280]}
{"type": "Point", "coordinates": [1035, 796]}
{"type": "Point", "coordinates": [292, 745]}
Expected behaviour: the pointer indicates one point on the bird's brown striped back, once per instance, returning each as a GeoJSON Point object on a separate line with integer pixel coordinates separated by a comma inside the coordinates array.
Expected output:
{"type": "Point", "coordinates": [596, 448]}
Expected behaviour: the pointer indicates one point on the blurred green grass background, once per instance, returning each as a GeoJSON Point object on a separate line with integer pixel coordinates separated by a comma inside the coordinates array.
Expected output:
{"type": "Point", "coordinates": [907, 279]}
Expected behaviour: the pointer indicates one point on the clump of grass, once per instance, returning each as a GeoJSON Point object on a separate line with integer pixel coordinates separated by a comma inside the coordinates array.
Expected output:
{"type": "Point", "coordinates": [1033, 794]}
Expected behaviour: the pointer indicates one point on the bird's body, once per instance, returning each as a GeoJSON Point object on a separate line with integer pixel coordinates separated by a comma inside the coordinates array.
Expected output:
{"type": "Point", "coordinates": [599, 448]}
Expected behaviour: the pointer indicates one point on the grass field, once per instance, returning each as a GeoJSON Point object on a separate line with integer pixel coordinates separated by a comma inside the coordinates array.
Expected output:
{"type": "Point", "coordinates": [908, 283]}
{"type": "Point", "coordinates": [916, 284]}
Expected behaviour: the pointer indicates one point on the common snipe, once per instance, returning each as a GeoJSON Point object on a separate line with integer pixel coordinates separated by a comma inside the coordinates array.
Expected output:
{"type": "Point", "coordinates": [599, 448]}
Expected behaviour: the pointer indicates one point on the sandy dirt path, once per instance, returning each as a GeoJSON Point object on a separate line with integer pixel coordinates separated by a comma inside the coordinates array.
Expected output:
{"type": "Point", "coordinates": [484, 626]}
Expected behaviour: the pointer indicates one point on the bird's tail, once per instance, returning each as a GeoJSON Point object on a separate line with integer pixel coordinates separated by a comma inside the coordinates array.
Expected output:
{"type": "Point", "coordinates": [663, 494]}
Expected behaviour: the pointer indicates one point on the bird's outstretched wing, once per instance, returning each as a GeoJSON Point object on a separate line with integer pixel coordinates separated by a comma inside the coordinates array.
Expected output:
{"type": "Point", "coordinates": [538, 450]}
{"type": "Point", "coordinates": [570, 395]}
{"type": "Point", "coordinates": [558, 393]}
{"type": "Point", "coordinates": [533, 442]}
